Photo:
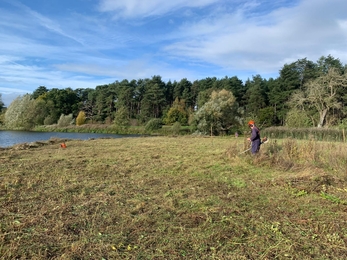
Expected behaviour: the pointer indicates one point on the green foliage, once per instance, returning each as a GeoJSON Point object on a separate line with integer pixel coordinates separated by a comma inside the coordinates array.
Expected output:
{"type": "Point", "coordinates": [318, 86]}
{"type": "Point", "coordinates": [319, 94]}
{"type": "Point", "coordinates": [218, 114]}
{"type": "Point", "coordinates": [121, 117]}
{"type": "Point", "coordinates": [2, 117]}
{"type": "Point", "coordinates": [81, 118]}
{"type": "Point", "coordinates": [324, 64]}
{"type": "Point", "coordinates": [292, 77]}
{"type": "Point", "coordinates": [343, 124]}
{"type": "Point", "coordinates": [266, 116]}
{"type": "Point", "coordinates": [19, 113]}
{"type": "Point", "coordinates": [49, 120]}
{"type": "Point", "coordinates": [332, 198]}
{"type": "Point", "coordinates": [203, 97]}
{"type": "Point", "coordinates": [39, 92]}
{"type": "Point", "coordinates": [153, 102]}
{"type": "Point", "coordinates": [256, 94]}
{"type": "Point", "coordinates": [153, 124]}
{"type": "Point", "coordinates": [183, 91]}
{"type": "Point", "coordinates": [297, 118]}
{"type": "Point", "coordinates": [176, 127]}
{"type": "Point", "coordinates": [65, 120]}
{"type": "Point", "coordinates": [38, 112]}
{"type": "Point", "coordinates": [177, 113]}
{"type": "Point", "coordinates": [234, 85]}
{"type": "Point", "coordinates": [62, 101]}
{"type": "Point", "coordinates": [1, 104]}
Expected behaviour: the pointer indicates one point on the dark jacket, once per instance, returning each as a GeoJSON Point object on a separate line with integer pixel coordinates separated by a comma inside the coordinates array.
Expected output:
{"type": "Point", "coordinates": [255, 139]}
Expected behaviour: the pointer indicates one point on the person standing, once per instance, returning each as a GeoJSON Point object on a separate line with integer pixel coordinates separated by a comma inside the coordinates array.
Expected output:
{"type": "Point", "coordinates": [255, 137]}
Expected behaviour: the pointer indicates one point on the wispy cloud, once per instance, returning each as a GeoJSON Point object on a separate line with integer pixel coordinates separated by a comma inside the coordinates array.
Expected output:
{"type": "Point", "coordinates": [262, 44]}
{"type": "Point", "coordinates": [87, 43]}
{"type": "Point", "coordinates": [138, 9]}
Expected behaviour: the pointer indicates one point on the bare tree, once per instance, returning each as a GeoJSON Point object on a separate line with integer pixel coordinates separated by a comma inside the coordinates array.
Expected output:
{"type": "Point", "coordinates": [321, 92]}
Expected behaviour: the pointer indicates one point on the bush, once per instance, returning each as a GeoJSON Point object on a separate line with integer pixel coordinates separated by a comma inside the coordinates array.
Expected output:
{"type": "Point", "coordinates": [176, 127]}
{"type": "Point", "coordinates": [49, 120]}
{"type": "Point", "coordinates": [154, 124]}
{"type": "Point", "coordinates": [297, 118]}
{"type": "Point", "coordinates": [176, 114]}
{"type": "Point", "coordinates": [81, 118]}
{"type": "Point", "coordinates": [65, 120]}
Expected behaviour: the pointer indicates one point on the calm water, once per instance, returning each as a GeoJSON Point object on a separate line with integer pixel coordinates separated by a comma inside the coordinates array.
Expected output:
{"type": "Point", "coordinates": [10, 138]}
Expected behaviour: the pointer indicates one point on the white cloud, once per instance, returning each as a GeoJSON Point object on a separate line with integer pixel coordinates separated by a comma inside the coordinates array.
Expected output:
{"type": "Point", "coordinates": [261, 44]}
{"type": "Point", "coordinates": [173, 39]}
{"type": "Point", "coordinates": [140, 8]}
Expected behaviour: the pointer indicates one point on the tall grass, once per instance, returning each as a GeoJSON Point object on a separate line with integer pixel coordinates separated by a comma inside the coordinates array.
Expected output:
{"type": "Point", "coordinates": [300, 154]}
{"type": "Point", "coordinates": [318, 134]}
{"type": "Point", "coordinates": [114, 129]}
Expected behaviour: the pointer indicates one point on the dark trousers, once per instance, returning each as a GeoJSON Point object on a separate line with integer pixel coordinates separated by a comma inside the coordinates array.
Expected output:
{"type": "Point", "coordinates": [255, 146]}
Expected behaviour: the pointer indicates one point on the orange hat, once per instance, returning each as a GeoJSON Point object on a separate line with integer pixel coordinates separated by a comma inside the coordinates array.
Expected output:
{"type": "Point", "coordinates": [251, 122]}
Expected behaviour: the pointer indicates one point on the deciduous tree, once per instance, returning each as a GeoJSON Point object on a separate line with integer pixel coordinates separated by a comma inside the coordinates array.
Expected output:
{"type": "Point", "coordinates": [321, 94]}
{"type": "Point", "coordinates": [18, 113]}
{"type": "Point", "coordinates": [177, 113]}
{"type": "Point", "coordinates": [218, 114]}
{"type": "Point", "coordinates": [39, 91]}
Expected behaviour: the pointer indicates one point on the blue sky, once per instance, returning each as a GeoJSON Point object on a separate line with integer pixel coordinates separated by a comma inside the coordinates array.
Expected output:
{"type": "Point", "coordinates": [85, 43]}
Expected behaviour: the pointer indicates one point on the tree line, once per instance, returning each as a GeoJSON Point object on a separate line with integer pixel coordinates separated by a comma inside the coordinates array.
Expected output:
{"type": "Point", "coordinates": [305, 94]}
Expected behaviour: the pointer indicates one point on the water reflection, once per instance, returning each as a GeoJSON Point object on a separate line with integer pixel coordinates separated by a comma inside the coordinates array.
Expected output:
{"type": "Point", "coordinates": [10, 138]}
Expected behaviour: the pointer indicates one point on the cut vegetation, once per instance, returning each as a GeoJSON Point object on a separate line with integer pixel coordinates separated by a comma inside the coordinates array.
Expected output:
{"type": "Point", "coordinates": [173, 198]}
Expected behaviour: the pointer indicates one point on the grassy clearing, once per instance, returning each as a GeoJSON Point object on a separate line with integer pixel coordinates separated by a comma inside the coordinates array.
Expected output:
{"type": "Point", "coordinates": [173, 198]}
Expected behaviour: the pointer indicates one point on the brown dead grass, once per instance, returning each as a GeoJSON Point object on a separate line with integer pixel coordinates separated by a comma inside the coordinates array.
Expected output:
{"type": "Point", "coordinates": [173, 198]}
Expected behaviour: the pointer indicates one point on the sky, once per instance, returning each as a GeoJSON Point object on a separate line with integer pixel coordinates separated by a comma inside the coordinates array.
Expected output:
{"type": "Point", "coordinates": [86, 43]}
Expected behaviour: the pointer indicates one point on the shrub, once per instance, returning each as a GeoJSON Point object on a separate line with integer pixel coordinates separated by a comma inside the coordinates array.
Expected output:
{"type": "Point", "coordinates": [154, 124]}
{"type": "Point", "coordinates": [65, 120]}
{"type": "Point", "coordinates": [177, 113]}
{"type": "Point", "coordinates": [81, 118]}
{"type": "Point", "coordinates": [49, 120]}
{"type": "Point", "coordinates": [297, 118]}
{"type": "Point", "coordinates": [176, 127]}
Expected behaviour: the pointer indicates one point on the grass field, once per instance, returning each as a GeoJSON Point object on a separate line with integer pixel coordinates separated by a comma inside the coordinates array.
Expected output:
{"type": "Point", "coordinates": [173, 198]}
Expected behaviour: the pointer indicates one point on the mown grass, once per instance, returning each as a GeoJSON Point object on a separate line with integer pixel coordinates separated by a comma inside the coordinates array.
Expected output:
{"type": "Point", "coordinates": [173, 198]}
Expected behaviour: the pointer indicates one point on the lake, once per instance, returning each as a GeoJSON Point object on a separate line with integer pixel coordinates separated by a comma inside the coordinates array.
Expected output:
{"type": "Point", "coordinates": [10, 138]}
